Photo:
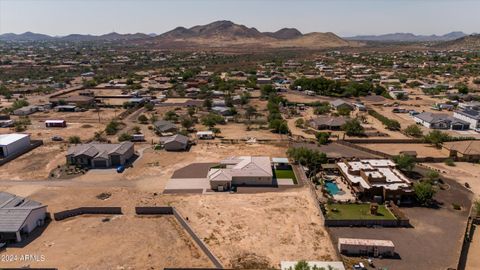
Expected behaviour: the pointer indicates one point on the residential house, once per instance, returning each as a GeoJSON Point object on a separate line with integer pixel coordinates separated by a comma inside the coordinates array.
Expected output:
{"type": "Point", "coordinates": [242, 170]}
{"type": "Point", "coordinates": [19, 216]}
{"type": "Point", "coordinates": [470, 116]}
{"type": "Point", "coordinates": [340, 103]}
{"type": "Point", "coordinates": [263, 81]}
{"type": "Point", "coordinates": [328, 122]}
{"type": "Point", "coordinates": [176, 142]}
{"type": "Point", "coordinates": [225, 111]}
{"type": "Point", "coordinates": [27, 110]}
{"type": "Point", "coordinates": [472, 105]}
{"type": "Point", "coordinates": [377, 179]}
{"type": "Point", "coordinates": [440, 121]}
{"type": "Point", "coordinates": [100, 155]}
{"type": "Point", "coordinates": [165, 127]}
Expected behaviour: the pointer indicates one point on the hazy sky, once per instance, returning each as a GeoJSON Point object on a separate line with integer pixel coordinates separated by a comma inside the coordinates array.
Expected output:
{"type": "Point", "coordinates": [343, 17]}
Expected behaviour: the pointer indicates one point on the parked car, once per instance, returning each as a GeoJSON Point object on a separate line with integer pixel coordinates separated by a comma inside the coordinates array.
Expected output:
{"type": "Point", "coordinates": [120, 169]}
{"type": "Point", "coordinates": [57, 139]}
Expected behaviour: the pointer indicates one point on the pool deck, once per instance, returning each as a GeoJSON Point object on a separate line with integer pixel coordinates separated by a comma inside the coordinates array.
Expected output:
{"type": "Point", "coordinates": [345, 192]}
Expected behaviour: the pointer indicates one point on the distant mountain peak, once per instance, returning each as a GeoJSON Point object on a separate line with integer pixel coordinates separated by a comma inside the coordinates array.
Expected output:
{"type": "Point", "coordinates": [285, 33]}
{"type": "Point", "coordinates": [409, 37]}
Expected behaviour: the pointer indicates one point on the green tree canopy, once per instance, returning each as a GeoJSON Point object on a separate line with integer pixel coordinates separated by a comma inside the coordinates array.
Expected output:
{"type": "Point", "coordinates": [405, 162]}
{"type": "Point", "coordinates": [353, 127]}
{"type": "Point", "coordinates": [413, 130]}
{"type": "Point", "coordinates": [310, 158]}
{"type": "Point", "coordinates": [424, 192]}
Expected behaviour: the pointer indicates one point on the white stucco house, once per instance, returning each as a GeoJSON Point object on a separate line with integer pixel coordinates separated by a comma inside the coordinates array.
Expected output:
{"type": "Point", "coordinates": [242, 170]}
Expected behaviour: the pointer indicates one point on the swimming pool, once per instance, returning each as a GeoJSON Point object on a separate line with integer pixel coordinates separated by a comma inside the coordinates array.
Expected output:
{"type": "Point", "coordinates": [332, 187]}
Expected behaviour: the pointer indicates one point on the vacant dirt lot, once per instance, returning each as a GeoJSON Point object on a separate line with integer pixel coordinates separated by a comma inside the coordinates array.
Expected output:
{"type": "Point", "coordinates": [103, 115]}
{"type": "Point", "coordinates": [423, 150]}
{"type": "Point", "coordinates": [300, 97]}
{"type": "Point", "coordinates": [87, 242]}
{"type": "Point", "coordinates": [123, 242]}
{"type": "Point", "coordinates": [270, 225]}
{"type": "Point", "coordinates": [239, 131]}
{"type": "Point", "coordinates": [34, 165]}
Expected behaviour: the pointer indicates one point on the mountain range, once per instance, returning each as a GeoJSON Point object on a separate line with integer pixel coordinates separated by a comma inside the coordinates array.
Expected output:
{"type": "Point", "coordinates": [408, 37]}
{"type": "Point", "coordinates": [29, 36]}
{"type": "Point", "coordinates": [215, 34]}
{"type": "Point", "coordinates": [222, 34]}
{"type": "Point", "coordinates": [471, 42]}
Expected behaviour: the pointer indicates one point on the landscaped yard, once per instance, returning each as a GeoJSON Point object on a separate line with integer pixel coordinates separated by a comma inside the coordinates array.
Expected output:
{"type": "Point", "coordinates": [357, 211]}
{"type": "Point", "coordinates": [285, 174]}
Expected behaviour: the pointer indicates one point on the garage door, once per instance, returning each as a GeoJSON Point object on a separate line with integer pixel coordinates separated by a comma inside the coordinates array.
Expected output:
{"type": "Point", "coordinates": [458, 127]}
{"type": "Point", "coordinates": [115, 160]}
{"type": "Point", "coordinates": [100, 163]}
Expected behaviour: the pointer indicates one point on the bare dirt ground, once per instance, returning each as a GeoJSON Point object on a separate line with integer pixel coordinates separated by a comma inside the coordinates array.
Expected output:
{"type": "Point", "coordinates": [103, 115]}
{"type": "Point", "coordinates": [267, 226]}
{"type": "Point", "coordinates": [271, 225]}
{"type": "Point", "coordinates": [123, 242]}
{"type": "Point", "coordinates": [239, 131]}
{"type": "Point", "coordinates": [34, 165]}
{"type": "Point", "coordinates": [300, 97]}
{"type": "Point", "coordinates": [423, 150]}
{"type": "Point", "coordinates": [462, 172]}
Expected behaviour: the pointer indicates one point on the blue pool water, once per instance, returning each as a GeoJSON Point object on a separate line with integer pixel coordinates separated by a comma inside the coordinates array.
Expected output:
{"type": "Point", "coordinates": [332, 187]}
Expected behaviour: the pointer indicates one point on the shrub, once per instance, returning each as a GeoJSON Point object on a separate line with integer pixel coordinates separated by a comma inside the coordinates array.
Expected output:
{"type": "Point", "coordinates": [125, 137]}
{"type": "Point", "coordinates": [112, 127]}
{"type": "Point", "coordinates": [323, 137]}
{"type": "Point", "coordinates": [353, 128]}
{"type": "Point", "coordinates": [299, 123]}
{"type": "Point", "coordinates": [74, 140]}
{"type": "Point", "coordinates": [449, 162]}
{"type": "Point", "coordinates": [456, 206]}
{"type": "Point", "coordinates": [413, 130]}
{"type": "Point", "coordinates": [142, 119]}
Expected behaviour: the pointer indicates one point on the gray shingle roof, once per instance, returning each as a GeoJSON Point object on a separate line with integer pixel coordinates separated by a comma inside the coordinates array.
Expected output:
{"type": "Point", "coordinates": [339, 102]}
{"type": "Point", "coordinates": [100, 150]}
{"type": "Point", "coordinates": [432, 117]}
{"type": "Point", "coordinates": [163, 125]}
{"type": "Point", "coordinates": [335, 121]}
{"type": "Point", "coordinates": [175, 138]}
{"type": "Point", "coordinates": [14, 210]}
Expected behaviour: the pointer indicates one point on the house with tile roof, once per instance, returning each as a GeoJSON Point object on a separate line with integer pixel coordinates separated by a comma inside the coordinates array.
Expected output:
{"type": "Point", "coordinates": [241, 171]}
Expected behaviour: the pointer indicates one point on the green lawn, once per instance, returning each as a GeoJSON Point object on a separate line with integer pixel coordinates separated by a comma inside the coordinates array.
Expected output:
{"type": "Point", "coordinates": [286, 174]}
{"type": "Point", "coordinates": [357, 211]}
